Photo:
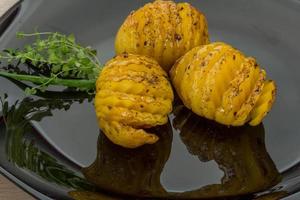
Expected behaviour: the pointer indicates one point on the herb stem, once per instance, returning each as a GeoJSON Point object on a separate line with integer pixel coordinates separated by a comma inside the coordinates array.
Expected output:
{"type": "Point", "coordinates": [35, 34]}
{"type": "Point", "coordinates": [82, 83]}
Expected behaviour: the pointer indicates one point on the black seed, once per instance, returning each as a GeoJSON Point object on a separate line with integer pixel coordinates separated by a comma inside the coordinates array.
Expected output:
{"type": "Point", "coordinates": [177, 37]}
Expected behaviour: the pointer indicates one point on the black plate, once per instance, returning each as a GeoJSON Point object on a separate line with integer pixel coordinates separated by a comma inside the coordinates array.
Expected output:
{"type": "Point", "coordinates": [54, 155]}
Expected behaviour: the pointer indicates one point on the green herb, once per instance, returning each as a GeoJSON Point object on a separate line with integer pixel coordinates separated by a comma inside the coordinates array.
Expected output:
{"type": "Point", "coordinates": [55, 59]}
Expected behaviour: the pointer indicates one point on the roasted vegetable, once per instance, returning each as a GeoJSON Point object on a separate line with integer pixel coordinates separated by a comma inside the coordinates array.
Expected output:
{"type": "Point", "coordinates": [218, 82]}
{"type": "Point", "coordinates": [163, 30]}
{"type": "Point", "coordinates": [132, 93]}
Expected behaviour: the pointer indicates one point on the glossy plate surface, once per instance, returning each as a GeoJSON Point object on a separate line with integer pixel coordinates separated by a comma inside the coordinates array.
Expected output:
{"type": "Point", "coordinates": [60, 150]}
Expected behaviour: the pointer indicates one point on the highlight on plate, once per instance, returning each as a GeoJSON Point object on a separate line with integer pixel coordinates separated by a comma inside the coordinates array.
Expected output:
{"type": "Point", "coordinates": [133, 91]}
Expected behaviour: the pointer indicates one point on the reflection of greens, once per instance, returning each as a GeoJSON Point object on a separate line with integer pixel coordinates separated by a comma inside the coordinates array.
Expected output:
{"type": "Point", "coordinates": [24, 152]}
{"type": "Point", "coordinates": [55, 60]}
{"type": "Point", "coordinates": [273, 196]}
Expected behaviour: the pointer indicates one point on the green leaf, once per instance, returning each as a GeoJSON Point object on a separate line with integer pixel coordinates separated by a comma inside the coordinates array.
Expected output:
{"type": "Point", "coordinates": [23, 60]}
{"type": "Point", "coordinates": [71, 38]}
{"type": "Point", "coordinates": [30, 91]}
{"type": "Point", "coordinates": [53, 58]}
{"type": "Point", "coordinates": [10, 51]}
{"type": "Point", "coordinates": [28, 48]}
{"type": "Point", "coordinates": [77, 64]}
{"type": "Point", "coordinates": [81, 54]}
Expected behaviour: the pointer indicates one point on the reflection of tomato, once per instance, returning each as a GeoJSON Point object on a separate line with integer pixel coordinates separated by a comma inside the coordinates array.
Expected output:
{"type": "Point", "coordinates": [133, 172]}
{"type": "Point", "coordinates": [239, 152]}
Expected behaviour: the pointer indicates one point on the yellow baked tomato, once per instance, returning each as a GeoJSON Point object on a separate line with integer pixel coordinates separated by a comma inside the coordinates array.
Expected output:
{"type": "Point", "coordinates": [218, 82]}
{"type": "Point", "coordinates": [163, 30]}
{"type": "Point", "coordinates": [132, 93]}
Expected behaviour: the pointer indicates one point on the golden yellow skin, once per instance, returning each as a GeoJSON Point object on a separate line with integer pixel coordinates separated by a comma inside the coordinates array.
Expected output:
{"type": "Point", "coordinates": [132, 93]}
{"type": "Point", "coordinates": [163, 30]}
{"type": "Point", "coordinates": [218, 82]}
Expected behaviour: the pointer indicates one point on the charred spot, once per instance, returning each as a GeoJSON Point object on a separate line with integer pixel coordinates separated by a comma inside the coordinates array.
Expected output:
{"type": "Point", "coordinates": [142, 106]}
{"type": "Point", "coordinates": [273, 92]}
{"type": "Point", "coordinates": [181, 8]}
{"type": "Point", "coordinates": [147, 90]}
{"type": "Point", "coordinates": [125, 55]}
{"type": "Point", "coordinates": [145, 43]}
{"type": "Point", "coordinates": [235, 113]}
{"type": "Point", "coordinates": [137, 45]}
{"type": "Point", "coordinates": [255, 65]}
{"type": "Point", "coordinates": [177, 37]}
{"type": "Point", "coordinates": [195, 23]}
{"type": "Point", "coordinates": [187, 68]}
{"type": "Point", "coordinates": [233, 57]}
{"type": "Point", "coordinates": [149, 66]}
{"type": "Point", "coordinates": [202, 64]}
{"type": "Point", "coordinates": [109, 107]}
{"type": "Point", "coordinates": [153, 80]}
